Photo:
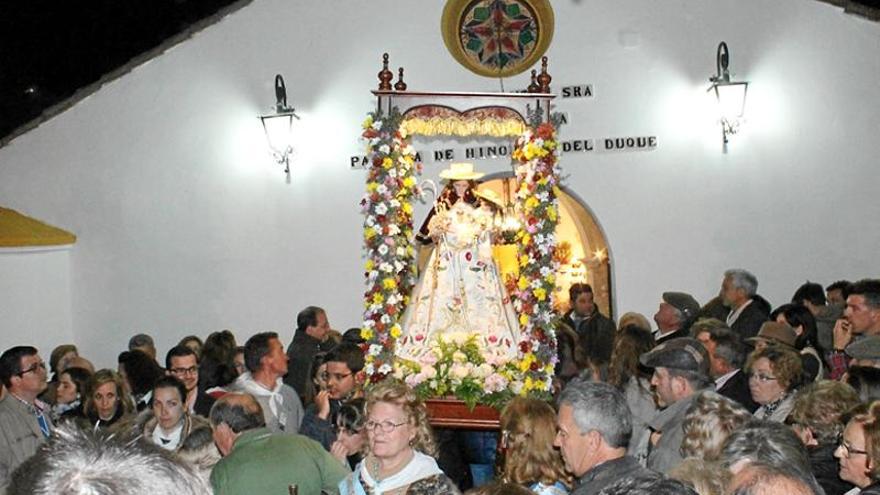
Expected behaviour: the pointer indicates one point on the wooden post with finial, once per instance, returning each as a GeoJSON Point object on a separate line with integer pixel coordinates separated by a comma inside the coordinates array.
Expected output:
{"type": "Point", "coordinates": [385, 75]}
{"type": "Point", "coordinates": [533, 87]}
{"type": "Point", "coordinates": [544, 79]}
{"type": "Point", "coordinates": [400, 85]}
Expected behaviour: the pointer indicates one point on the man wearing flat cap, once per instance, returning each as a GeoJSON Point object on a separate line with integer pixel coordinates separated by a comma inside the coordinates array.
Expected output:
{"type": "Point", "coordinates": [674, 316]}
{"type": "Point", "coordinates": [865, 352]}
{"type": "Point", "coordinates": [681, 370]}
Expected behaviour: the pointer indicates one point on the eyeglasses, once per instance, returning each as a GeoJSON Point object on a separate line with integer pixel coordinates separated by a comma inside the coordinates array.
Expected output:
{"type": "Point", "coordinates": [192, 370]}
{"type": "Point", "coordinates": [32, 369]}
{"type": "Point", "coordinates": [847, 449]}
{"type": "Point", "coordinates": [383, 426]}
{"type": "Point", "coordinates": [761, 377]}
{"type": "Point", "coordinates": [335, 376]}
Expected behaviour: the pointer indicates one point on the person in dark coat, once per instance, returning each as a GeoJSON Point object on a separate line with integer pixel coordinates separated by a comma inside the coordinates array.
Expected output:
{"type": "Point", "coordinates": [310, 338]}
{"type": "Point", "coordinates": [747, 310]}
{"type": "Point", "coordinates": [674, 316]}
{"type": "Point", "coordinates": [726, 357]}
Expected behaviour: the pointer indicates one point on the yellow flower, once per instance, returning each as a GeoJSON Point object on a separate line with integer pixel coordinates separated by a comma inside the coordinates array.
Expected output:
{"type": "Point", "coordinates": [407, 208]}
{"type": "Point", "coordinates": [551, 213]}
{"type": "Point", "coordinates": [526, 362]}
{"type": "Point", "coordinates": [366, 333]}
{"type": "Point", "coordinates": [369, 232]}
{"type": "Point", "coordinates": [369, 265]}
{"type": "Point", "coordinates": [367, 123]}
{"type": "Point", "coordinates": [402, 131]}
{"type": "Point", "coordinates": [540, 293]}
{"type": "Point", "coordinates": [409, 181]}
{"type": "Point", "coordinates": [372, 186]}
{"type": "Point", "coordinates": [551, 279]}
{"type": "Point", "coordinates": [378, 298]}
{"type": "Point", "coordinates": [389, 283]}
{"type": "Point", "coordinates": [523, 320]}
{"type": "Point", "coordinates": [395, 331]}
{"type": "Point", "coordinates": [410, 251]}
{"type": "Point", "coordinates": [522, 283]}
{"type": "Point", "coordinates": [532, 203]}
{"type": "Point", "coordinates": [523, 261]}
{"type": "Point", "coordinates": [387, 163]}
{"type": "Point", "coordinates": [526, 239]}
{"type": "Point", "coordinates": [528, 385]}
{"type": "Point", "coordinates": [542, 181]}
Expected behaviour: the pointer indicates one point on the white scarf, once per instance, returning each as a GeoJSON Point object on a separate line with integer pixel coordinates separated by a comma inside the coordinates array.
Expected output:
{"type": "Point", "coordinates": [168, 441]}
{"type": "Point", "coordinates": [276, 400]}
{"type": "Point", "coordinates": [421, 466]}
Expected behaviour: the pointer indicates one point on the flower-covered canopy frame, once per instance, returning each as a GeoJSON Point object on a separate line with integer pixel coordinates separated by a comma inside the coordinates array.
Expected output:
{"type": "Point", "coordinates": [388, 239]}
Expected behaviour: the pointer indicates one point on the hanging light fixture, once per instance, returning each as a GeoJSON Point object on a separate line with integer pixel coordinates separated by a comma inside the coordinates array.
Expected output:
{"type": "Point", "coordinates": [730, 95]}
{"type": "Point", "coordinates": [278, 126]}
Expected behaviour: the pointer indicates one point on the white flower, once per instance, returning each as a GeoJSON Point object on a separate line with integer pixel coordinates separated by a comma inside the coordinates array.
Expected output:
{"type": "Point", "coordinates": [393, 229]}
{"type": "Point", "coordinates": [459, 371]}
{"type": "Point", "coordinates": [483, 370]}
{"type": "Point", "coordinates": [377, 125]}
{"type": "Point", "coordinates": [381, 209]}
{"type": "Point", "coordinates": [414, 379]}
{"type": "Point", "coordinates": [495, 383]}
{"type": "Point", "coordinates": [384, 149]}
{"type": "Point", "coordinates": [429, 371]}
{"type": "Point", "coordinates": [459, 357]}
{"type": "Point", "coordinates": [371, 220]}
{"type": "Point", "coordinates": [385, 319]}
{"type": "Point", "coordinates": [369, 369]}
{"type": "Point", "coordinates": [375, 349]}
{"type": "Point", "coordinates": [408, 150]}
{"type": "Point", "coordinates": [383, 249]}
{"type": "Point", "coordinates": [394, 203]}
{"type": "Point", "coordinates": [545, 271]}
{"type": "Point", "coordinates": [400, 252]}
{"type": "Point", "coordinates": [516, 386]}
{"type": "Point", "coordinates": [392, 173]}
{"type": "Point", "coordinates": [385, 369]}
{"type": "Point", "coordinates": [386, 267]}
{"type": "Point", "coordinates": [382, 189]}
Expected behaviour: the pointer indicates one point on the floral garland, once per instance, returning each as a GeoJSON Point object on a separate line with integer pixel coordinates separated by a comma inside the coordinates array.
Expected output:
{"type": "Point", "coordinates": [388, 237]}
{"type": "Point", "coordinates": [537, 157]}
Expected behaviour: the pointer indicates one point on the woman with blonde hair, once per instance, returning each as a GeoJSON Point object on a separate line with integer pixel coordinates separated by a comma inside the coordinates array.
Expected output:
{"type": "Point", "coordinates": [400, 447]}
{"type": "Point", "coordinates": [528, 428]}
{"type": "Point", "coordinates": [108, 405]}
{"type": "Point", "coordinates": [707, 424]}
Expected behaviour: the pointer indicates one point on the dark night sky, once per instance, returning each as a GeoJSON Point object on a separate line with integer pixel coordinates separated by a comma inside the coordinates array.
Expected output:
{"type": "Point", "coordinates": [51, 48]}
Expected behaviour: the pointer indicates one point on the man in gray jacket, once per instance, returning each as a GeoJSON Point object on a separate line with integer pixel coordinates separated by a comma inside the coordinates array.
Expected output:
{"type": "Point", "coordinates": [594, 425]}
{"type": "Point", "coordinates": [24, 420]}
{"type": "Point", "coordinates": [681, 370]}
{"type": "Point", "coordinates": [266, 362]}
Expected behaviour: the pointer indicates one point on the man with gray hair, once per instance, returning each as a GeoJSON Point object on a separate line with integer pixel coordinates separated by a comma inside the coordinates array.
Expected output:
{"type": "Point", "coordinates": [144, 343]}
{"type": "Point", "coordinates": [83, 461]}
{"type": "Point", "coordinates": [738, 292]}
{"type": "Point", "coordinates": [594, 426]}
{"type": "Point", "coordinates": [768, 443]}
{"type": "Point", "coordinates": [681, 371]}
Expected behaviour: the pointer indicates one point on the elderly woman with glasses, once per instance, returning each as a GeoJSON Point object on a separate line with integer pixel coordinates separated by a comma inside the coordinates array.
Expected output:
{"type": "Point", "coordinates": [774, 374]}
{"type": "Point", "coordinates": [858, 450]}
{"type": "Point", "coordinates": [400, 447]}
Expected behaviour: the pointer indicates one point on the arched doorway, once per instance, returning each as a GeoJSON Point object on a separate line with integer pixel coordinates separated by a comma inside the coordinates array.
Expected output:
{"type": "Point", "coordinates": [582, 247]}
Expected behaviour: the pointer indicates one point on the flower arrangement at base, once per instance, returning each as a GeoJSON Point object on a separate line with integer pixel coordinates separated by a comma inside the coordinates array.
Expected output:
{"type": "Point", "coordinates": [464, 364]}
{"type": "Point", "coordinates": [388, 237]}
{"type": "Point", "coordinates": [537, 171]}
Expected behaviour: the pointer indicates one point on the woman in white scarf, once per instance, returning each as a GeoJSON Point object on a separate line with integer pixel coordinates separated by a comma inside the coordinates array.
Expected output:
{"type": "Point", "coordinates": [400, 447]}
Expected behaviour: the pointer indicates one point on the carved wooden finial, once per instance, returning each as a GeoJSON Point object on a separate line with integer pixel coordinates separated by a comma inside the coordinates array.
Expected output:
{"type": "Point", "coordinates": [400, 85]}
{"type": "Point", "coordinates": [385, 75]}
{"type": "Point", "coordinates": [533, 87]}
{"type": "Point", "coordinates": [544, 79]}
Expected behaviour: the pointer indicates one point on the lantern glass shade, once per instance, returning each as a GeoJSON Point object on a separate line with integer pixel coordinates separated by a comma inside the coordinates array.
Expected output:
{"type": "Point", "coordinates": [731, 98]}
{"type": "Point", "coordinates": [279, 132]}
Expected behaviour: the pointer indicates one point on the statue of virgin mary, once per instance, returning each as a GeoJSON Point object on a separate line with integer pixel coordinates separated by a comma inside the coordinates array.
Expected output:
{"type": "Point", "coordinates": [460, 290]}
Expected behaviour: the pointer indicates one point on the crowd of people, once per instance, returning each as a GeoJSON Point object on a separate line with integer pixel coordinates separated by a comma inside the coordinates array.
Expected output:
{"type": "Point", "coordinates": [731, 396]}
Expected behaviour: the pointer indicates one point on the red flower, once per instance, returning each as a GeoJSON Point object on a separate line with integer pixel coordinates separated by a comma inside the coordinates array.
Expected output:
{"type": "Point", "coordinates": [468, 255]}
{"type": "Point", "coordinates": [525, 346]}
{"type": "Point", "coordinates": [534, 366]}
{"type": "Point", "coordinates": [545, 131]}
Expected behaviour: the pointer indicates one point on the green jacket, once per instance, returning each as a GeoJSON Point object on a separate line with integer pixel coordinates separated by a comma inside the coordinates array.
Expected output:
{"type": "Point", "coordinates": [266, 463]}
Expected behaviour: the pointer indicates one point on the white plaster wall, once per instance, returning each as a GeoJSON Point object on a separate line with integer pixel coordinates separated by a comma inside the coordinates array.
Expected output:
{"type": "Point", "coordinates": [35, 290]}
{"type": "Point", "coordinates": [186, 226]}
